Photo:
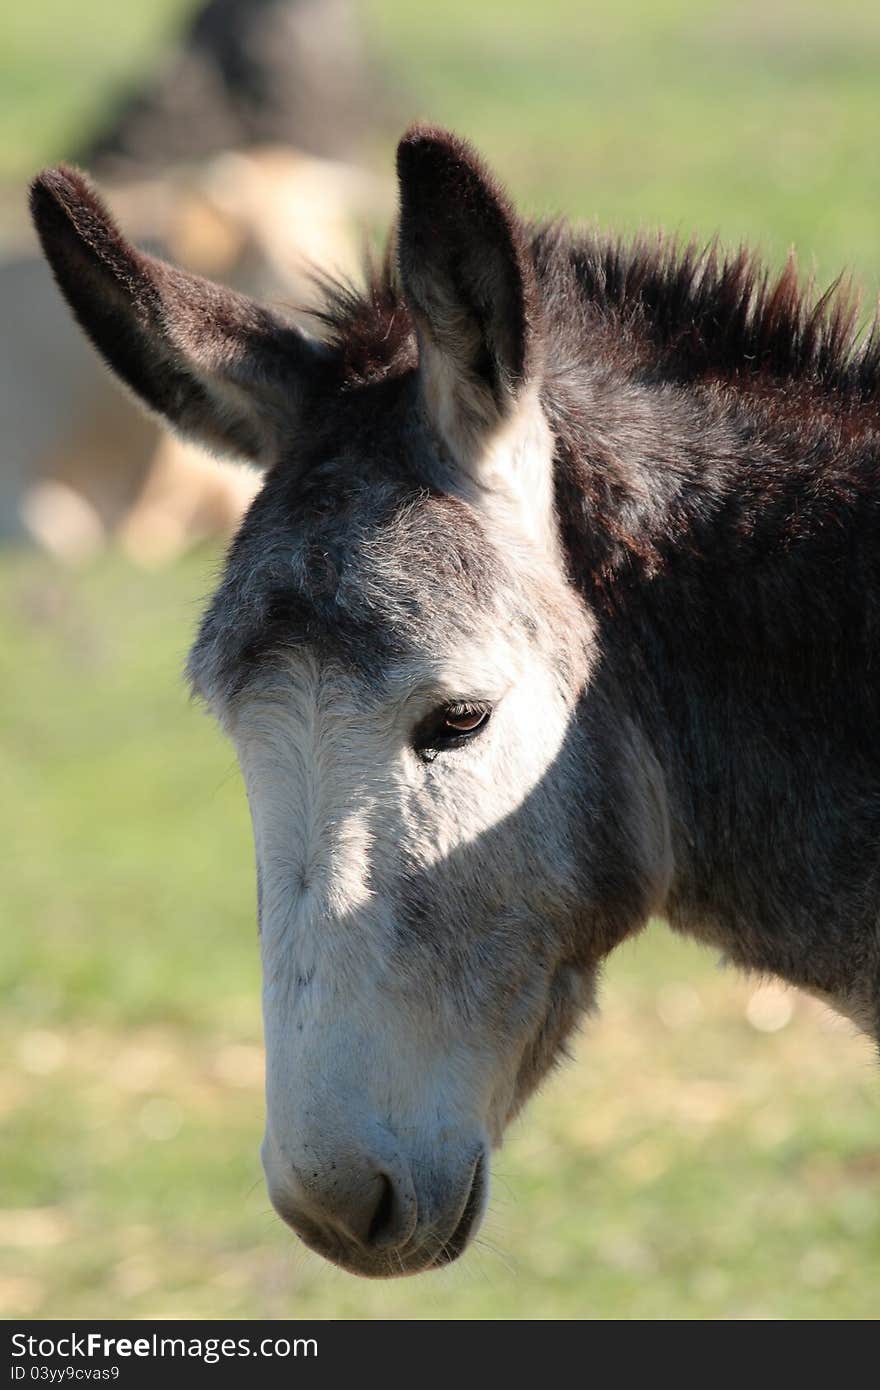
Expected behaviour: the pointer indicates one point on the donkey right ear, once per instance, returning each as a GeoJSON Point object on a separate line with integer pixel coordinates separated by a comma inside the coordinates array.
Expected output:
{"type": "Point", "coordinates": [218, 367]}
{"type": "Point", "coordinates": [467, 273]}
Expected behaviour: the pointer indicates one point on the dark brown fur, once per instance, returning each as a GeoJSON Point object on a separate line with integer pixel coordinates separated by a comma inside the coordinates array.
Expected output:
{"type": "Point", "coordinates": [687, 314]}
{"type": "Point", "coordinates": [718, 488]}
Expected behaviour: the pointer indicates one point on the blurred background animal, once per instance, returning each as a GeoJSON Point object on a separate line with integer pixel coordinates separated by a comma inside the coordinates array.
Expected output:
{"type": "Point", "coordinates": [232, 159]}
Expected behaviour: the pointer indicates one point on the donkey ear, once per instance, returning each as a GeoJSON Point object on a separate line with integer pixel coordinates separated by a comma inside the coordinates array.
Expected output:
{"type": "Point", "coordinates": [217, 366]}
{"type": "Point", "coordinates": [469, 279]}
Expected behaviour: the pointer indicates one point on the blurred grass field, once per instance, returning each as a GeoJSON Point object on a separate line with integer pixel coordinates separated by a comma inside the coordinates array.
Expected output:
{"type": "Point", "coordinates": [714, 1149]}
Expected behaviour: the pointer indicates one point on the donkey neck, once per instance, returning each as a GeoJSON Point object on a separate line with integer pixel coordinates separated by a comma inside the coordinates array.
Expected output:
{"type": "Point", "coordinates": [731, 554]}
{"type": "Point", "coordinates": [645, 467]}
{"type": "Point", "coordinates": [738, 537]}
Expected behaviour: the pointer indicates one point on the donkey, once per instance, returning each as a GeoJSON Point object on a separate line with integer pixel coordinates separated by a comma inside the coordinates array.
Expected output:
{"type": "Point", "coordinates": [557, 609]}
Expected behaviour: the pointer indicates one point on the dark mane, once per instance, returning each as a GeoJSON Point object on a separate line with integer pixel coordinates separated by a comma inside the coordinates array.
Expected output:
{"type": "Point", "coordinates": [368, 325]}
{"type": "Point", "coordinates": [679, 313]}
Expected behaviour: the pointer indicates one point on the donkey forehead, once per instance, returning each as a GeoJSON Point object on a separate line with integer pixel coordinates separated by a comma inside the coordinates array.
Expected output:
{"type": "Point", "coordinates": [377, 576]}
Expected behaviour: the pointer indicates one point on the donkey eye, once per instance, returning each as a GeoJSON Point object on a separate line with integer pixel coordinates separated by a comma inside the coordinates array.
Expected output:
{"type": "Point", "coordinates": [449, 726]}
{"type": "Point", "coordinates": [466, 721]}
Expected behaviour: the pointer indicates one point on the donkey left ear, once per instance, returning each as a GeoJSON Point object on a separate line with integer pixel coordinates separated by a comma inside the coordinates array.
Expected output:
{"type": "Point", "coordinates": [215, 365]}
{"type": "Point", "coordinates": [469, 279]}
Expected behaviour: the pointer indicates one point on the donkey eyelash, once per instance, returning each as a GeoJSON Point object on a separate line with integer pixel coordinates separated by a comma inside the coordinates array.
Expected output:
{"type": "Point", "coordinates": [438, 732]}
{"type": "Point", "coordinates": [458, 708]}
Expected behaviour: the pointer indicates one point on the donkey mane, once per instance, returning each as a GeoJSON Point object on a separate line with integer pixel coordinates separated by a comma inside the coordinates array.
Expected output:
{"type": "Point", "coordinates": [690, 312]}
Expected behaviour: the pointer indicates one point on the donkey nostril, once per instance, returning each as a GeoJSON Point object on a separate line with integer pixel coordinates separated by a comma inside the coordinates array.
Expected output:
{"type": "Point", "coordinates": [381, 1229]}
{"type": "Point", "coordinates": [360, 1206]}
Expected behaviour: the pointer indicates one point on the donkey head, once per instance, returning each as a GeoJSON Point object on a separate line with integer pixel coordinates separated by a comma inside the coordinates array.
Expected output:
{"type": "Point", "coordinates": [399, 657]}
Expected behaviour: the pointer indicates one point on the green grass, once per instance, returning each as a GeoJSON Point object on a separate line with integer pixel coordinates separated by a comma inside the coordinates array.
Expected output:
{"type": "Point", "coordinates": [62, 67]}
{"type": "Point", "coordinates": [757, 120]}
{"type": "Point", "coordinates": [687, 1163]}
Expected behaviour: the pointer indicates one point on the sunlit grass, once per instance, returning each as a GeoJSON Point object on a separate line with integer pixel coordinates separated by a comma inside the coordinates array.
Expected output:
{"type": "Point", "coordinates": [756, 121]}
